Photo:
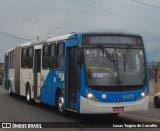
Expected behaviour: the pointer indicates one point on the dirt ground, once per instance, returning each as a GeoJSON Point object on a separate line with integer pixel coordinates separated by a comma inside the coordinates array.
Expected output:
{"type": "Point", "coordinates": [154, 87]}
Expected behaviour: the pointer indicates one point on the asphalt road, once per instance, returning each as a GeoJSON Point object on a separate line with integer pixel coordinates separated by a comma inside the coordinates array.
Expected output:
{"type": "Point", "coordinates": [15, 109]}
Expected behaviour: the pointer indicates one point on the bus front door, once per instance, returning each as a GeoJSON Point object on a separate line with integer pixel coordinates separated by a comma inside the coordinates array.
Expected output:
{"type": "Point", "coordinates": [37, 72]}
{"type": "Point", "coordinates": [71, 76]}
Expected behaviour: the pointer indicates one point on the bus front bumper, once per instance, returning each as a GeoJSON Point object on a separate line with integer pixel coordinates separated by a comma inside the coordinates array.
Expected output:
{"type": "Point", "coordinates": [91, 107]}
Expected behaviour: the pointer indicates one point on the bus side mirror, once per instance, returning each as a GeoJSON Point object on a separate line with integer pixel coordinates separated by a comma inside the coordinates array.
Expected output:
{"type": "Point", "coordinates": [80, 56]}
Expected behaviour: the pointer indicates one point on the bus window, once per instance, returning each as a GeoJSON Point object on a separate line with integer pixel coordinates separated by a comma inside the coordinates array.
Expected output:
{"type": "Point", "coordinates": [45, 58]}
{"type": "Point", "coordinates": [10, 59]}
{"type": "Point", "coordinates": [24, 58]}
{"type": "Point", "coordinates": [30, 52]}
{"type": "Point", "coordinates": [30, 58]}
{"type": "Point", "coordinates": [9, 54]}
{"type": "Point", "coordinates": [60, 57]}
{"type": "Point", "coordinates": [61, 49]}
{"type": "Point", "coordinates": [52, 62]}
{"type": "Point", "coordinates": [13, 59]}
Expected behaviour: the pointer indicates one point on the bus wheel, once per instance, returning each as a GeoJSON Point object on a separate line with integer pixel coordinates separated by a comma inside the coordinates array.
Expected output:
{"type": "Point", "coordinates": [156, 102]}
{"type": "Point", "coordinates": [60, 103]}
{"type": "Point", "coordinates": [114, 114]}
{"type": "Point", "coordinates": [28, 96]}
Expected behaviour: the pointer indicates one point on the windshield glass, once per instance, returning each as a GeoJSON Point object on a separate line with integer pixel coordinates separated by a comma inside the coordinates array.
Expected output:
{"type": "Point", "coordinates": [99, 69]}
{"type": "Point", "coordinates": [124, 67]}
{"type": "Point", "coordinates": [131, 66]}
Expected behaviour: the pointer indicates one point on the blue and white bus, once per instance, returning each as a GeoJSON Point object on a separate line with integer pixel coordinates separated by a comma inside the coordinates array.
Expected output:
{"type": "Point", "coordinates": [88, 73]}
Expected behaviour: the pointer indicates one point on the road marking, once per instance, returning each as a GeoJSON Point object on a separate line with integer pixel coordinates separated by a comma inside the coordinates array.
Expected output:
{"type": "Point", "coordinates": [141, 117]}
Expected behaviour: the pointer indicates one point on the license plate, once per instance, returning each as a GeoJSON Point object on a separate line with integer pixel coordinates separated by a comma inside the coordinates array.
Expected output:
{"type": "Point", "coordinates": [117, 109]}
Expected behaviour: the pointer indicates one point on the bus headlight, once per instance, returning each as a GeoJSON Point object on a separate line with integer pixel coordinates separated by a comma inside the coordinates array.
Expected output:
{"type": "Point", "coordinates": [143, 94]}
{"type": "Point", "coordinates": [91, 96]}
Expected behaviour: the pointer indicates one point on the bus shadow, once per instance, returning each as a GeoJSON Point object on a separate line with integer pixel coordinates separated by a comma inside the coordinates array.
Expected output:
{"type": "Point", "coordinates": [98, 118]}
{"type": "Point", "coordinates": [76, 117]}
{"type": "Point", "coordinates": [41, 105]}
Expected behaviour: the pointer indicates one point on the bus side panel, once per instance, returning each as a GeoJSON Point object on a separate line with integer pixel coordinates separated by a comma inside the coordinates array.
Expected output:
{"type": "Point", "coordinates": [53, 81]}
{"type": "Point", "coordinates": [26, 76]}
{"type": "Point", "coordinates": [43, 93]}
{"type": "Point", "coordinates": [11, 80]}
{"type": "Point", "coordinates": [17, 69]}
{"type": "Point", "coordinates": [8, 75]}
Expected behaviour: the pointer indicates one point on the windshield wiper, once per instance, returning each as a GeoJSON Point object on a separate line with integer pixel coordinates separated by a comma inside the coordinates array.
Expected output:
{"type": "Point", "coordinates": [126, 58]}
{"type": "Point", "coordinates": [108, 55]}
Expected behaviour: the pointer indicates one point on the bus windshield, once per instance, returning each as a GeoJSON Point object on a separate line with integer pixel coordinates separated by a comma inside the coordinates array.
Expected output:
{"type": "Point", "coordinates": [124, 67]}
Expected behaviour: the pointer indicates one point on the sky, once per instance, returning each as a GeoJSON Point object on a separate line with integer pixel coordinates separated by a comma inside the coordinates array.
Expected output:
{"type": "Point", "coordinates": [31, 18]}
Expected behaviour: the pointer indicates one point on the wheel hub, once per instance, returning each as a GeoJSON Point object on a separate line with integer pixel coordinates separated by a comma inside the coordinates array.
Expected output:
{"type": "Point", "coordinates": [60, 103]}
{"type": "Point", "coordinates": [28, 96]}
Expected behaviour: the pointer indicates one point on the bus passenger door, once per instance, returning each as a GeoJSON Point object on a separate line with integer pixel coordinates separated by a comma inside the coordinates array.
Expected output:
{"type": "Point", "coordinates": [37, 72]}
{"type": "Point", "coordinates": [71, 79]}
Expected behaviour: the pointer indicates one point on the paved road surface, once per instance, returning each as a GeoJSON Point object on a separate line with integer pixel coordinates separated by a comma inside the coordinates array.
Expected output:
{"type": "Point", "coordinates": [15, 109]}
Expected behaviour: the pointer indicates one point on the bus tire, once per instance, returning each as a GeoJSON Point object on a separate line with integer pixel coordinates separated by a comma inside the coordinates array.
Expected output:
{"type": "Point", "coordinates": [114, 114]}
{"type": "Point", "coordinates": [157, 102]}
{"type": "Point", "coordinates": [28, 96]}
{"type": "Point", "coordinates": [60, 104]}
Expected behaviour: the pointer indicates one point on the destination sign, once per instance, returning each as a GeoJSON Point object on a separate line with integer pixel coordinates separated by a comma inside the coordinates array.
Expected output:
{"type": "Point", "coordinates": [98, 39]}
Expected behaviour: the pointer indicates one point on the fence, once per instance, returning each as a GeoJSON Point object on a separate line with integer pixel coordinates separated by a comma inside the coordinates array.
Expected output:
{"type": "Point", "coordinates": [154, 77]}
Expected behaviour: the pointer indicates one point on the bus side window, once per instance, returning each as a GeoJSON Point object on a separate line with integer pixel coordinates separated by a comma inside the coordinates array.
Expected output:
{"type": "Point", "coordinates": [52, 62]}
{"type": "Point", "coordinates": [9, 56]}
{"type": "Point", "coordinates": [45, 57]}
{"type": "Point", "coordinates": [6, 62]}
{"type": "Point", "coordinates": [13, 59]}
{"type": "Point", "coordinates": [24, 58]}
{"type": "Point", "coordinates": [60, 56]}
{"type": "Point", "coordinates": [30, 57]}
{"type": "Point", "coordinates": [10, 59]}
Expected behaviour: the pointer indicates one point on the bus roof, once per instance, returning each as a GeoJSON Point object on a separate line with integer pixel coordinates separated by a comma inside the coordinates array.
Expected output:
{"type": "Point", "coordinates": [64, 37]}
{"type": "Point", "coordinates": [110, 33]}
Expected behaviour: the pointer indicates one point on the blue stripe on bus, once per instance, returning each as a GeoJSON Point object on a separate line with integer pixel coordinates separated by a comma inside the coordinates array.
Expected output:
{"type": "Point", "coordinates": [48, 89]}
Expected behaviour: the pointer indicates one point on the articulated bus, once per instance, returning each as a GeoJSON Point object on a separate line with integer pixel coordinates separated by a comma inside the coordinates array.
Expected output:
{"type": "Point", "coordinates": [88, 73]}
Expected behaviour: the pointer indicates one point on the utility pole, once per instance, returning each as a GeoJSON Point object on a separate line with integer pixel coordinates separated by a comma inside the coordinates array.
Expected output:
{"type": "Point", "coordinates": [37, 38]}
